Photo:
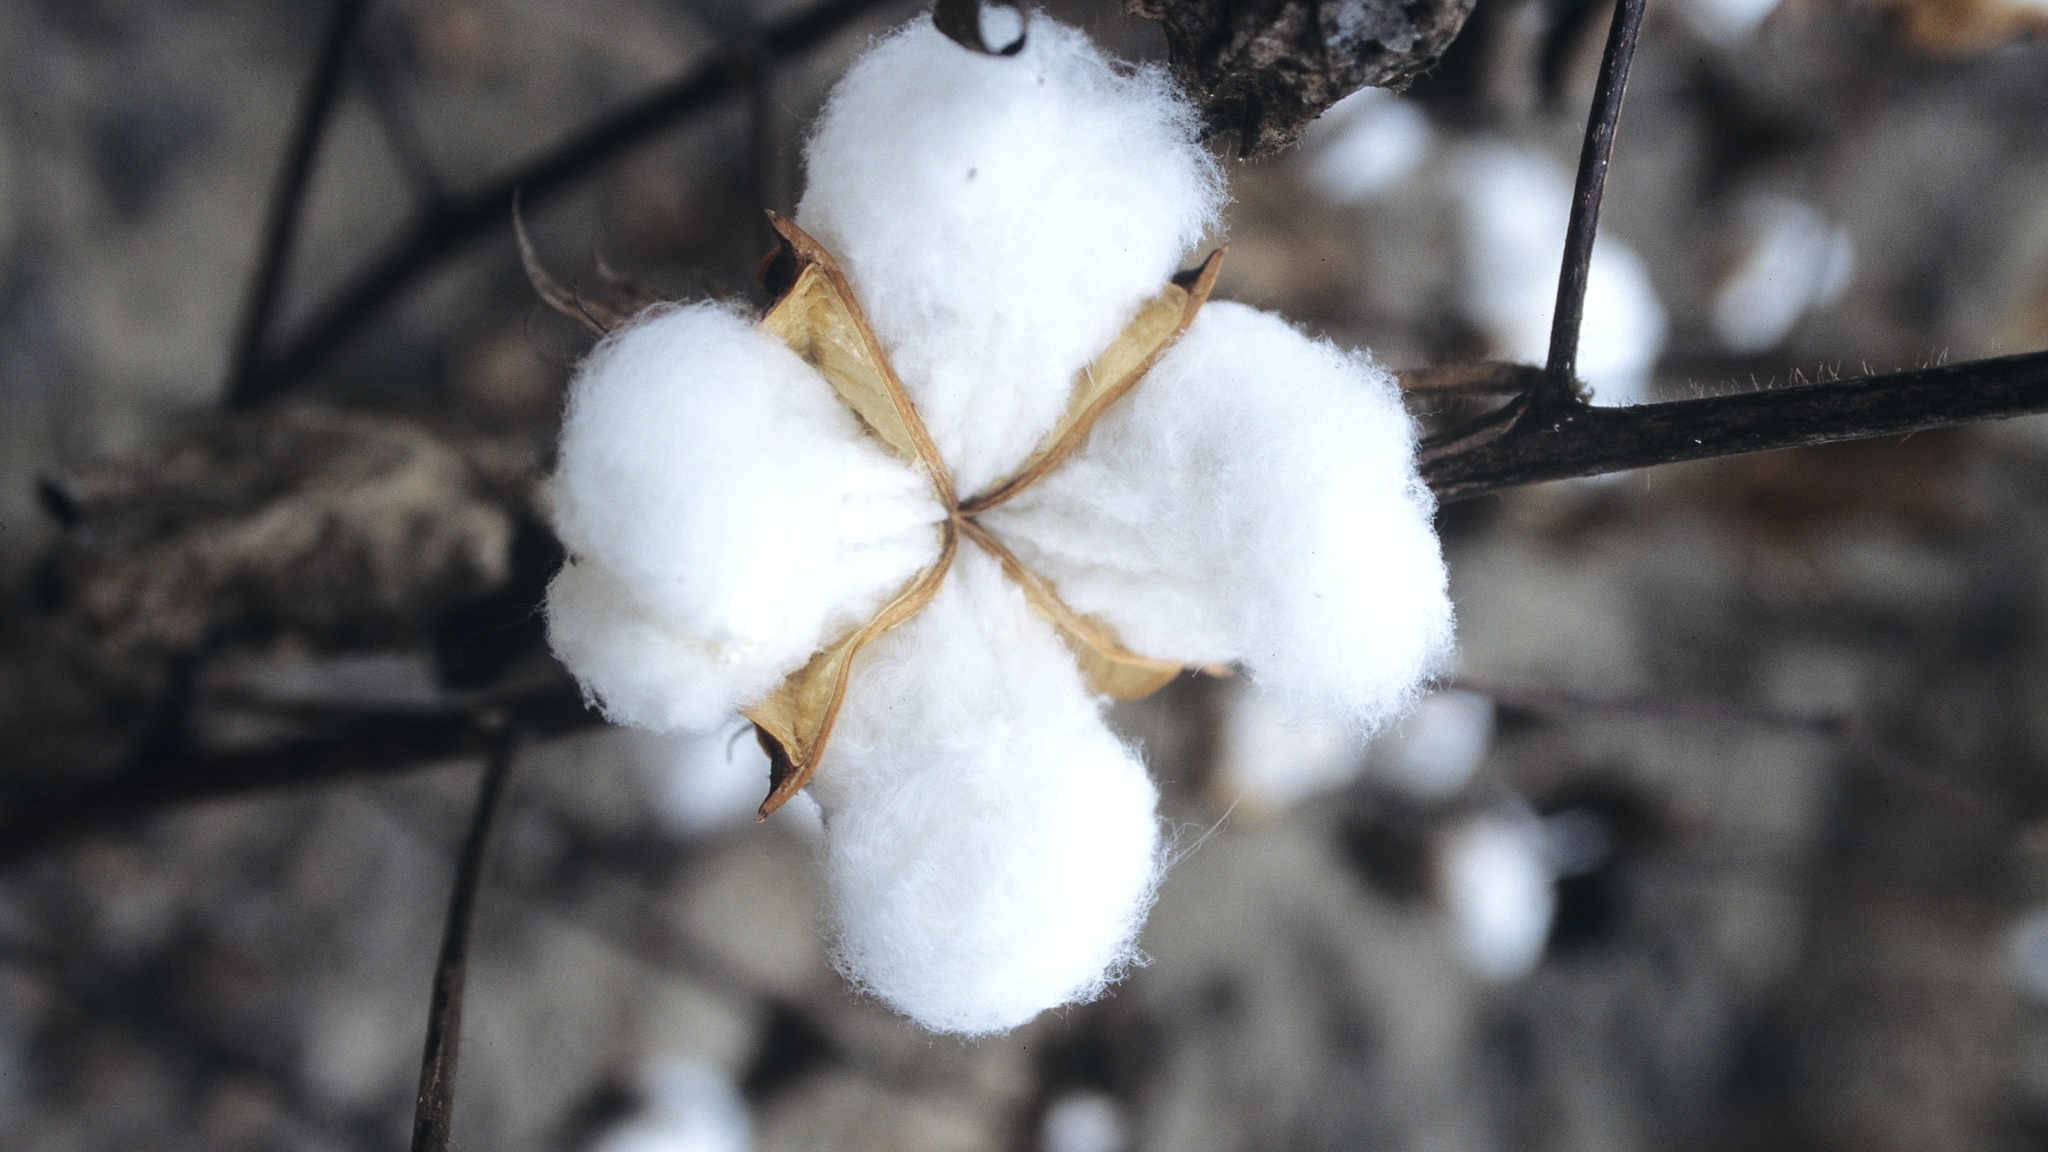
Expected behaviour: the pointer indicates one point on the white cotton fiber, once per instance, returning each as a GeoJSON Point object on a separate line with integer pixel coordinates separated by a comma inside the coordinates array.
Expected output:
{"type": "Point", "coordinates": [1253, 500]}
{"type": "Point", "coordinates": [725, 517]}
{"type": "Point", "coordinates": [1001, 218]}
{"type": "Point", "coordinates": [990, 846]}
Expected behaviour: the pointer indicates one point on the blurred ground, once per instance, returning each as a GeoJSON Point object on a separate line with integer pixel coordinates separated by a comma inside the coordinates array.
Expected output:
{"type": "Point", "coordinates": [1742, 843]}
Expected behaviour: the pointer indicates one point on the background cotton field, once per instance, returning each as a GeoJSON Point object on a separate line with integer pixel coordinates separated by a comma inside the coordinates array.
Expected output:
{"type": "Point", "coordinates": [1727, 831]}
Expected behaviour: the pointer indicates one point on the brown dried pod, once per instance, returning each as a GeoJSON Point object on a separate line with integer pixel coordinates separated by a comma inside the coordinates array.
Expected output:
{"type": "Point", "coordinates": [1263, 70]}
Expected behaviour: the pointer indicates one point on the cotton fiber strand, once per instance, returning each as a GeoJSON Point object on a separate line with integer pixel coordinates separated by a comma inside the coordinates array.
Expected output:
{"type": "Point", "coordinates": [990, 846]}
{"type": "Point", "coordinates": [1001, 218]}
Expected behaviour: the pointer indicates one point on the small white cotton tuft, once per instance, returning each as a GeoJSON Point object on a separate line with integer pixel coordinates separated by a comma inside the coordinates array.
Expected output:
{"type": "Point", "coordinates": [724, 515]}
{"type": "Point", "coordinates": [702, 782]}
{"type": "Point", "coordinates": [1270, 757]}
{"type": "Point", "coordinates": [1497, 886]}
{"type": "Point", "coordinates": [1254, 500]}
{"type": "Point", "coordinates": [1514, 205]}
{"type": "Point", "coordinates": [1001, 218]}
{"type": "Point", "coordinates": [690, 1107]}
{"type": "Point", "coordinates": [1792, 260]}
{"type": "Point", "coordinates": [1438, 745]}
{"type": "Point", "coordinates": [1366, 144]}
{"type": "Point", "coordinates": [990, 846]}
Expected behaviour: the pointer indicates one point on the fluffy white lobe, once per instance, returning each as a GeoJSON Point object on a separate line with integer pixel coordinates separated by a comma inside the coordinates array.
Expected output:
{"type": "Point", "coordinates": [990, 846]}
{"type": "Point", "coordinates": [1253, 500]}
{"type": "Point", "coordinates": [1001, 218]}
{"type": "Point", "coordinates": [725, 516]}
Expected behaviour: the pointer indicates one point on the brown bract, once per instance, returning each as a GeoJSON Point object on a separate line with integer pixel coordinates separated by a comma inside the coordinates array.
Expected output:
{"type": "Point", "coordinates": [819, 319]}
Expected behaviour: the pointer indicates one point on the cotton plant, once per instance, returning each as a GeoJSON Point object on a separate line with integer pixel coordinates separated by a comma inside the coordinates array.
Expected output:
{"type": "Point", "coordinates": [987, 464]}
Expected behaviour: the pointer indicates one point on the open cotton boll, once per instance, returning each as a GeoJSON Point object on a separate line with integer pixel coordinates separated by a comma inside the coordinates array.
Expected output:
{"type": "Point", "coordinates": [1254, 499]}
{"type": "Point", "coordinates": [1514, 206]}
{"type": "Point", "coordinates": [990, 846]}
{"type": "Point", "coordinates": [725, 513]}
{"type": "Point", "coordinates": [1001, 218]}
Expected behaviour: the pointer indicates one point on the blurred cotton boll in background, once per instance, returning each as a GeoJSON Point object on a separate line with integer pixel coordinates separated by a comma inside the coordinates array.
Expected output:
{"type": "Point", "coordinates": [1435, 749]}
{"type": "Point", "coordinates": [690, 1107]}
{"type": "Point", "coordinates": [1496, 881]}
{"type": "Point", "coordinates": [2029, 945]}
{"type": "Point", "coordinates": [1366, 144]}
{"type": "Point", "coordinates": [1514, 204]}
{"type": "Point", "coordinates": [1791, 261]}
{"type": "Point", "coordinates": [703, 783]}
{"type": "Point", "coordinates": [1084, 1122]}
{"type": "Point", "coordinates": [1726, 21]}
{"type": "Point", "coordinates": [1269, 757]}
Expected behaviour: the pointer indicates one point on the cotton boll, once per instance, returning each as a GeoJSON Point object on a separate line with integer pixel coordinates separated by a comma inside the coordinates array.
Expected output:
{"type": "Point", "coordinates": [990, 847]}
{"type": "Point", "coordinates": [725, 514]}
{"type": "Point", "coordinates": [1438, 745]}
{"type": "Point", "coordinates": [1001, 218]}
{"type": "Point", "coordinates": [1271, 757]}
{"type": "Point", "coordinates": [2028, 943]}
{"type": "Point", "coordinates": [1253, 500]}
{"type": "Point", "coordinates": [1792, 260]}
{"type": "Point", "coordinates": [1727, 21]}
{"type": "Point", "coordinates": [1365, 144]}
{"type": "Point", "coordinates": [1497, 887]}
{"type": "Point", "coordinates": [702, 782]}
{"type": "Point", "coordinates": [1514, 206]}
{"type": "Point", "coordinates": [1084, 1122]}
{"type": "Point", "coordinates": [690, 1107]}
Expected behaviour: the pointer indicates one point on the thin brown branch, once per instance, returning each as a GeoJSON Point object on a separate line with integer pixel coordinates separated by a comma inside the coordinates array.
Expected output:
{"type": "Point", "coordinates": [288, 200]}
{"type": "Point", "coordinates": [364, 744]}
{"type": "Point", "coordinates": [1535, 440]}
{"type": "Point", "coordinates": [444, 228]}
{"type": "Point", "coordinates": [1601, 121]}
{"type": "Point", "coordinates": [435, 1106]}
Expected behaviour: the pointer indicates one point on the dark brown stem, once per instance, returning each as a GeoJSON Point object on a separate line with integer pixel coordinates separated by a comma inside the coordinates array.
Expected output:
{"type": "Point", "coordinates": [435, 1106]}
{"type": "Point", "coordinates": [288, 200]}
{"type": "Point", "coordinates": [1556, 441]}
{"type": "Point", "coordinates": [367, 744]}
{"type": "Point", "coordinates": [1586, 194]}
{"type": "Point", "coordinates": [444, 228]}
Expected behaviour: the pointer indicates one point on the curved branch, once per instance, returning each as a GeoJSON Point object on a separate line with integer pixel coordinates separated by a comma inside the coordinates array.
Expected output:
{"type": "Point", "coordinates": [445, 227]}
{"type": "Point", "coordinates": [288, 200]}
{"type": "Point", "coordinates": [1591, 184]}
{"type": "Point", "coordinates": [434, 1107]}
{"type": "Point", "coordinates": [1536, 439]}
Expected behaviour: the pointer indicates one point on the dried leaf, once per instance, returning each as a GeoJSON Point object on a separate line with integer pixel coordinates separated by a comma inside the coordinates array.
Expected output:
{"type": "Point", "coordinates": [820, 321]}
{"type": "Point", "coordinates": [599, 318]}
